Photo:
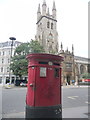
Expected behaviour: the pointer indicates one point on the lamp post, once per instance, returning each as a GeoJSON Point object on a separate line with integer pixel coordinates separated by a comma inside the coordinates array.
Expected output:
{"type": "Point", "coordinates": [12, 39]}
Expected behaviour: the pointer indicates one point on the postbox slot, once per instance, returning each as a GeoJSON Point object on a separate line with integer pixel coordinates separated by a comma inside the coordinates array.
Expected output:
{"type": "Point", "coordinates": [41, 62]}
{"type": "Point", "coordinates": [56, 64]}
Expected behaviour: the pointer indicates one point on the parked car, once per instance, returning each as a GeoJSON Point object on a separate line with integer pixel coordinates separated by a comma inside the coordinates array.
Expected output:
{"type": "Point", "coordinates": [22, 84]}
{"type": "Point", "coordinates": [84, 82]}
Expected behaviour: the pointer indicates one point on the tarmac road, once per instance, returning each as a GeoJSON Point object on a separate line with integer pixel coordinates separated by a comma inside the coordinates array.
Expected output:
{"type": "Point", "coordinates": [74, 102]}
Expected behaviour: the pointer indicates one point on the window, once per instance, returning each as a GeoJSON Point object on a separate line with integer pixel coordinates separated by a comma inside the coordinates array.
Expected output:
{"type": "Point", "coordinates": [3, 52]}
{"type": "Point", "coordinates": [7, 80]}
{"type": "Point", "coordinates": [2, 60]}
{"type": "Point", "coordinates": [42, 71]}
{"type": "Point", "coordinates": [51, 25]}
{"type": "Point", "coordinates": [0, 53]}
{"type": "Point", "coordinates": [48, 24]}
{"type": "Point", "coordinates": [1, 69]}
{"type": "Point", "coordinates": [8, 60]}
{"type": "Point", "coordinates": [56, 72]}
{"type": "Point", "coordinates": [68, 65]}
{"type": "Point", "coordinates": [9, 52]}
{"type": "Point", "coordinates": [0, 79]}
{"type": "Point", "coordinates": [7, 69]}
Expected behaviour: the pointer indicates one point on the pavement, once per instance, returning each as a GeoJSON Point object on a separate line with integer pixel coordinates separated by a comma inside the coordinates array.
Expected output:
{"type": "Point", "coordinates": [76, 112]}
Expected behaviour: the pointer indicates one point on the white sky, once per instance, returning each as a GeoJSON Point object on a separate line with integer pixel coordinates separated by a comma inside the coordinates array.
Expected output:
{"type": "Point", "coordinates": [18, 19]}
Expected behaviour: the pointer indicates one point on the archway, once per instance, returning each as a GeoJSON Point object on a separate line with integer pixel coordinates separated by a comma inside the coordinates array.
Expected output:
{"type": "Point", "coordinates": [68, 79]}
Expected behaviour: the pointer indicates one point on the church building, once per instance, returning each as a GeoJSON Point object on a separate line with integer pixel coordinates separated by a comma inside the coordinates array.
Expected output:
{"type": "Point", "coordinates": [46, 33]}
{"type": "Point", "coordinates": [47, 28]}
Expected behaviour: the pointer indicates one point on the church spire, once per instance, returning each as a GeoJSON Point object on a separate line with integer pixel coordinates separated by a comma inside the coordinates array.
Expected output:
{"type": "Point", "coordinates": [44, 2]}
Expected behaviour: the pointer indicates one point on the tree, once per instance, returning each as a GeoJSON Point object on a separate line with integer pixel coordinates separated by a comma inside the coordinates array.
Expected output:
{"type": "Point", "coordinates": [19, 64]}
{"type": "Point", "coordinates": [35, 47]}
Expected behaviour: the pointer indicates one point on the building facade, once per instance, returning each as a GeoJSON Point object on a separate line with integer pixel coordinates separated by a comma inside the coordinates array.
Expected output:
{"type": "Point", "coordinates": [73, 67]}
{"type": "Point", "coordinates": [47, 28]}
{"type": "Point", "coordinates": [5, 59]}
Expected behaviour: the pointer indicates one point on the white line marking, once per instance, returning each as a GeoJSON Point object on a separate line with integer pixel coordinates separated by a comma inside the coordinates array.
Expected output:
{"type": "Point", "coordinates": [73, 97]}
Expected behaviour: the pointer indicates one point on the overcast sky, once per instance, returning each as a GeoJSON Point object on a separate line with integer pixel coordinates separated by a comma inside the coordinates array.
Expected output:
{"type": "Point", "coordinates": [18, 19]}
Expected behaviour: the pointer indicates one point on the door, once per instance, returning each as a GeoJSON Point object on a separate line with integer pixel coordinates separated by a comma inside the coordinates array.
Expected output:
{"type": "Point", "coordinates": [68, 80]}
{"type": "Point", "coordinates": [47, 91]}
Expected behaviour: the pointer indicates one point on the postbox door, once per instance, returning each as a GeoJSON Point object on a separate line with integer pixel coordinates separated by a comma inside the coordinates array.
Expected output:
{"type": "Point", "coordinates": [47, 91]}
{"type": "Point", "coordinates": [30, 98]}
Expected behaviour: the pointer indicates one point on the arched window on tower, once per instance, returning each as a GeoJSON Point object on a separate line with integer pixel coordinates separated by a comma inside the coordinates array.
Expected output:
{"type": "Point", "coordinates": [51, 25]}
{"type": "Point", "coordinates": [82, 69]}
{"type": "Point", "coordinates": [48, 24]}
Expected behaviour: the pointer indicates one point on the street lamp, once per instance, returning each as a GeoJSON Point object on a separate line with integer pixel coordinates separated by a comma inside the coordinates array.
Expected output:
{"type": "Point", "coordinates": [12, 39]}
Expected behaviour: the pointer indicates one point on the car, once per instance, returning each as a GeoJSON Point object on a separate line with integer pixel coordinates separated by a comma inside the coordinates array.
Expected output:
{"type": "Point", "coordinates": [22, 84]}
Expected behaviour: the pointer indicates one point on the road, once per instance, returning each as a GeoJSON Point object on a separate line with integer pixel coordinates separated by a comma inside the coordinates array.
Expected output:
{"type": "Point", "coordinates": [73, 99]}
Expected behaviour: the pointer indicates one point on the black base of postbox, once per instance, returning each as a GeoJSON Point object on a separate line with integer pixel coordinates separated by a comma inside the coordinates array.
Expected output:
{"type": "Point", "coordinates": [54, 112]}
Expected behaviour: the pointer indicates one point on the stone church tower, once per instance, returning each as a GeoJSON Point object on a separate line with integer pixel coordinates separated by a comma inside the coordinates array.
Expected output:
{"type": "Point", "coordinates": [47, 28]}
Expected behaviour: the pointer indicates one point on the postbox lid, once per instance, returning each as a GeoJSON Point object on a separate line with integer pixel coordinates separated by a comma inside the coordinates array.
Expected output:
{"type": "Point", "coordinates": [44, 56]}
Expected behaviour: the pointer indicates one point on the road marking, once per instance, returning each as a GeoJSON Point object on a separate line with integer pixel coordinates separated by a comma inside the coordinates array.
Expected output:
{"type": "Point", "coordinates": [87, 102]}
{"type": "Point", "coordinates": [73, 97]}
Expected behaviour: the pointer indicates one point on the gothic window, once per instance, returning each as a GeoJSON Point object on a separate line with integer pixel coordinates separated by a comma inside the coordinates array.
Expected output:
{"type": "Point", "coordinates": [51, 25]}
{"type": "Point", "coordinates": [39, 37]}
{"type": "Point", "coordinates": [82, 69]}
{"type": "Point", "coordinates": [48, 24]}
{"type": "Point", "coordinates": [68, 65]}
{"type": "Point", "coordinates": [50, 36]}
{"type": "Point", "coordinates": [88, 68]}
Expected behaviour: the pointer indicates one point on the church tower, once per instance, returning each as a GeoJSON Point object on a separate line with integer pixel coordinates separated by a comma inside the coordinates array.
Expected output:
{"type": "Point", "coordinates": [47, 28]}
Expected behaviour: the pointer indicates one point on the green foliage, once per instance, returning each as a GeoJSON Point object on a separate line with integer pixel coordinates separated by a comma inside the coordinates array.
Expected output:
{"type": "Point", "coordinates": [35, 47]}
{"type": "Point", "coordinates": [86, 75]}
{"type": "Point", "coordinates": [19, 64]}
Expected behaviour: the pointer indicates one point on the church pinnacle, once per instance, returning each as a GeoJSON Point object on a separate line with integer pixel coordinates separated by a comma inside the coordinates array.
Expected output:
{"type": "Point", "coordinates": [44, 2]}
{"type": "Point", "coordinates": [54, 7]}
{"type": "Point", "coordinates": [39, 11]}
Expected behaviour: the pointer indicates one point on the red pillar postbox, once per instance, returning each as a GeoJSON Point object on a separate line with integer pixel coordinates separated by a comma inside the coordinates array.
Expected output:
{"type": "Point", "coordinates": [43, 99]}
